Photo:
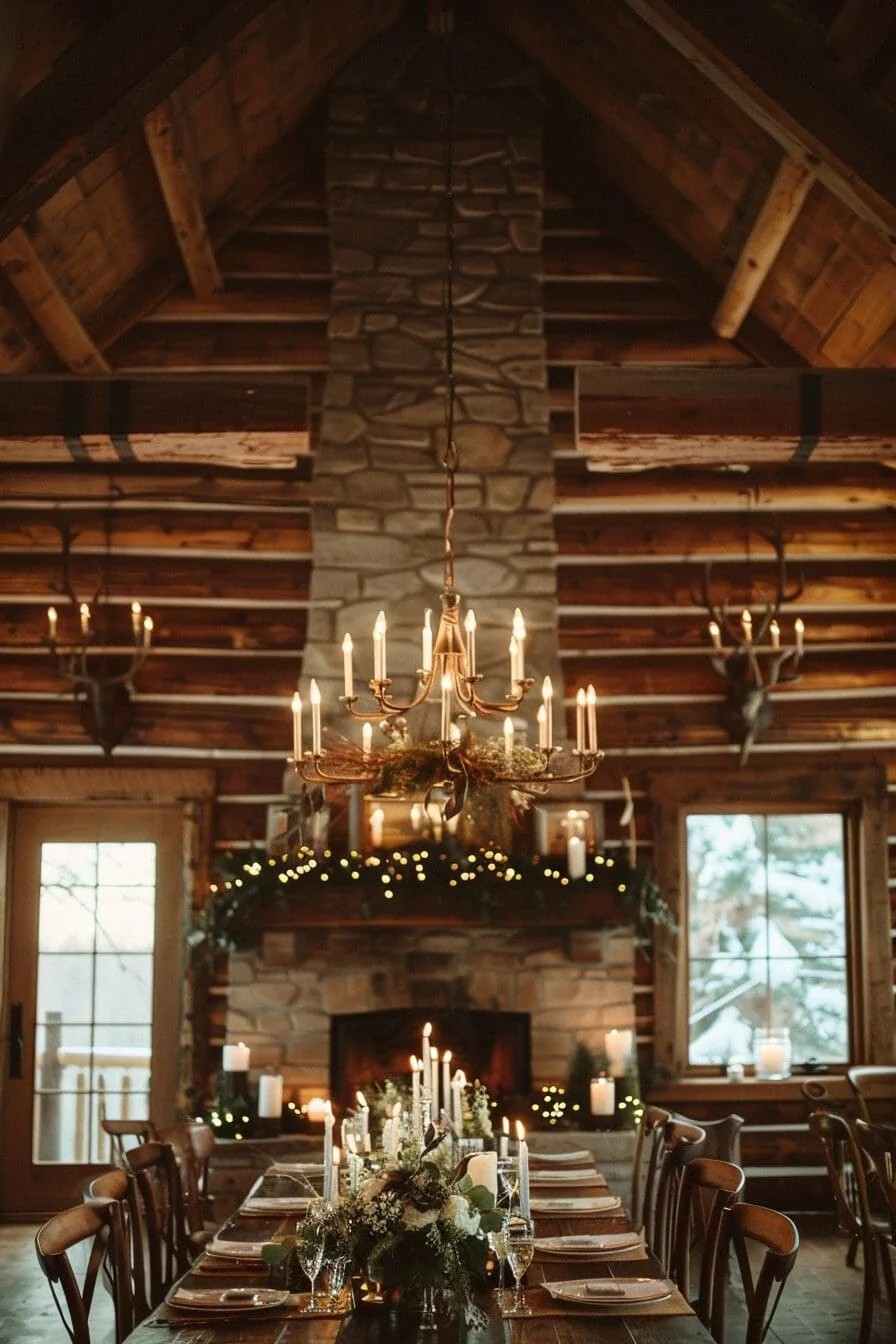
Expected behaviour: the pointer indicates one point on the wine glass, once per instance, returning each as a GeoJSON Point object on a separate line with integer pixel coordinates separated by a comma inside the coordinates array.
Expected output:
{"type": "Point", "coordinates": [519, 1239]}
{"type": "Point", "coordinates": [508, 1180]}
{"type": "Point", "coordinates": [497, 1242]}
{"type": "Point", "coordinates": [311, 1234]}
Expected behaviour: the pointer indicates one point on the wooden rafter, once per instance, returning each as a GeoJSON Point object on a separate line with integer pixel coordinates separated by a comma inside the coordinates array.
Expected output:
{"type": "Point", "coordinates": [112, 77]}
{"type": "Point", "coordinates": [776, 218]}
{"type": "Point", "coordinates": [868, 318]}
{"type": "Point", "coordinates": [793, 90]}
{"type": "Point", "coordinates": [47, 306]}
{"type": "Point", "coordinates": [182, 201]}
{"type": "Point", "coordinates": [631, 419]}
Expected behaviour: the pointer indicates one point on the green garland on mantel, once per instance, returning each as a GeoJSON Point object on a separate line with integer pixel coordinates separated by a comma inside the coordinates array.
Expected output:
{"type": "Point", "coordinates": [473, 881]}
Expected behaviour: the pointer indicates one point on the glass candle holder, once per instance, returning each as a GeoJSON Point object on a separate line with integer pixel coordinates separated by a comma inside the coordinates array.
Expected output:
{"type": "Point", "coordinates": [771, 1052]}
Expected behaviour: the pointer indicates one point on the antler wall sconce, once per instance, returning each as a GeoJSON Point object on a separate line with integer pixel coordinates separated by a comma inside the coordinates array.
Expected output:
{"type": "Point", "coordinates": [747, 650]}
{"type": "Point", "coordinates": [99, 672]}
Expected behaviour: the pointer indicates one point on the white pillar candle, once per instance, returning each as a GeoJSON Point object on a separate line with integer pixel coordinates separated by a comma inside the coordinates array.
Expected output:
{"type": "Point", "coordinates": [84, 611]}
{"type": "Point", "coordinates": [504, 1140]}
{"type": "Point", "coordinates": [270, 1096]}
{"type": "Point", "coordinates": [396, 1131]}
{"type": "Point", "coordinates": [514, 651]}
{"type": "Point", "coordinates": [425, 1061]}
{"type": "Point", "coordinates": [377, 817]}
{"type": "Point", "coordinates": [482, 1169]}
{"type": "Point", "coordinates": [366, 739]}
{"type": "Point", "coordinates": [296, 727]}
{"type": "Point", "coordinates": [775, 632]}
{"type": "Point", "coordinates": [148, 628]}
{"type": "Point", "coordinates": [715, 635]}
{"type": "Point", "coordinates": [799, 630]}
{"type": "Point", "coordinates": [416, 1114]}
{"type": "Point", "coordinates": [470, 627]}
{"type": "Point", "coordinates": [446, 1079]}
{"type": "Point", "coordinates": [136, 622]}
{"type": "Point", "coordinates": [523, 1169]}
{"type": "Point", "coordinates": [580, 720]}
{"type": "Point", "coordinates": [52, 623]}
{"type": "Point", "coordinates": [519, 634]}
{"type": "Point", "coordinates": [447, 686]}
{"type": "Point", "coordinates": [591, 718]}
{"type": "Point", "coordinates": [618, 1046]}
{"type": "Point", "coordinates": [363, 1121]}
{"type": "Point", "coordinates": [434, 1083]}
{"type": "Point", "coordinates": [334, 1176]}
{"type": "Point", "coordinates": [547, 696]}
{"type": "Point", "coordinates": [458, 1083]}
{"type": "Point", "coordinates": [508, 741]}
{"type": "Point", "coordinates": [603, 1096]}
{"type": "Point", "coordinates": [235, 1058]}
{"type": "Point", "coordinates": [314, 697]}
{"type": "Point", "coordinates": [746, 625]}
{"type": "Point", "coordinates": [575, 856]}
{"type": "Point", "coordinates": [541, 718]}
{"type": "Point", "coordinates": [379, 647]}
{"type": "Point", "coordinates": [426, 665]}
{"type": "Point", "coordinates": [347, 672]}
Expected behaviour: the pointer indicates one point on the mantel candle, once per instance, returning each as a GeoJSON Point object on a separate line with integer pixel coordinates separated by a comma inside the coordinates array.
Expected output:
{"type": "Point", "coordinates": [328, 1136]}
{"type": "Point", "coordinates": [504, 1140]}
{"type": "Point", "coordinates": [235, 1058]}
{"type": "Point", "coordinates": [618, 1045]}
{"type": "Point", "coordinates": [270, 1096]}
{"type": "Point", "coordinates": [482, 1169]}
{"type": "Point", "coordinates": [603, 1096]}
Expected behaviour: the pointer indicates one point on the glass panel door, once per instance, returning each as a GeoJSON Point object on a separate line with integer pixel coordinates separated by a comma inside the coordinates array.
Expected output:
{"type": "Point", "coordinates": [95, 979]}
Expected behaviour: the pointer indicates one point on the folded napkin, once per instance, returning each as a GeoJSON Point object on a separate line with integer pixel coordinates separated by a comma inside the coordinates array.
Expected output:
{"type": "Point", "coordinates": [604, 1288]}
{"type": "Point", "coordinates": [588, 1243]}
{"type": "Point", "coordinates": [226, 1299]}
{"type": "Point", "coordinates": [580, 1177]}
{"type": "Point", "coordinates": [578, 1156]}
{"type": "Point", "coordinates": [574, 1204]}
{"type": "Point", "coordinates": [275, 1204]}
{"type": "Point", "coordinates": [235, 1250]}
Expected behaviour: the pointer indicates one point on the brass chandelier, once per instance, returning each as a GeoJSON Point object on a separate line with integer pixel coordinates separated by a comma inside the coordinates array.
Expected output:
{"type": "Point", "coordinates": [448, 674]}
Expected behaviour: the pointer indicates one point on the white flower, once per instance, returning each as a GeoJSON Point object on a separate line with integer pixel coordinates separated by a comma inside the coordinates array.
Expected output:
{"type": "Point", "coordinates": [414, 1218]}
{"type": "Point", "coordinates": [462, 1214]}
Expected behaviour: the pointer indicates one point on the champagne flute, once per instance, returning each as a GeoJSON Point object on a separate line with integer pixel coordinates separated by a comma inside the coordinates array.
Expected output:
{"type": "Point", "coordinates": [519, 1238]}
{"type": "Point", "coordinates": [310, 1250]}
{"type": "Point", "coordinates": [498, 1243]}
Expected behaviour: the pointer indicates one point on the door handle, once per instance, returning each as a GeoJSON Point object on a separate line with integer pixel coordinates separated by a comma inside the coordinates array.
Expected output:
{"type": "Point", "coordinates": [16, 1040]}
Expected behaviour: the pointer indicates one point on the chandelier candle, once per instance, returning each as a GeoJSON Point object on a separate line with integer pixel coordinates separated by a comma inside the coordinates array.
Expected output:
{"type": "Point", "coordinates": [523, 1169]}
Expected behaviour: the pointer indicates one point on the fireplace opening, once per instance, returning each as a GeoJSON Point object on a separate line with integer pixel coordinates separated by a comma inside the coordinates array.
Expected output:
{"type": "Point", "coordinates": [494, 1047]}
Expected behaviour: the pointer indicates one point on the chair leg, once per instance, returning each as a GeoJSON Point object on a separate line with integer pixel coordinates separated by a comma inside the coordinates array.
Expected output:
{"type": "Point", "coordinates": [852, 1249]}
{"type": "Point", "coordinates": [869, 1286]}
{"type": "Point", "coordinates": [884, 1245]}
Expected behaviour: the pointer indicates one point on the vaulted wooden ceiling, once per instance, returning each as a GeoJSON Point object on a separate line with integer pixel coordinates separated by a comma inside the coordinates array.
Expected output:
{"type": "Point", "coordinates": [721, 205]}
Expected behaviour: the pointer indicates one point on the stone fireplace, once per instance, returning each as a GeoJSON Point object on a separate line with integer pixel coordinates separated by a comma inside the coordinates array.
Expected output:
{"type": "Point", "coordinates": [574, 984]}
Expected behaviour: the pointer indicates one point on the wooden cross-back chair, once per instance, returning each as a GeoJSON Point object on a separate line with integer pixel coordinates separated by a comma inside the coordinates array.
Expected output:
{"type": "Point", "coordinates": [99, 1228]}
{"type": "Point", "coordinates": [645, 1164]}
{"type": "Point", "coordinates": [157, 1211]}
{"type": "Point", "coordinates": [193, 1143]}
{"type": "Point", "coordinates": [741, 1225]}
{"type": "Point", "coordinates": [878, 1144]}
{"type": "Point", "coordinates": [125, 1133]}
{"type": "Point", "coordinates": [683, 1142]}
{"type": "Point", "coordinates": [708, 1187]}
{"type": "Point", "coordinates": [848, 1172]}
{"type": "Point", "coordinates": [119, 1185]}
{"type": "Point", "coordinates": [874, 1087]}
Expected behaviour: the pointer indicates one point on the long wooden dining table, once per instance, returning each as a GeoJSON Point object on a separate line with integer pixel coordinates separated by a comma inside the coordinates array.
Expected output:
{"type": "Point", "coordinates": [558, 1185]}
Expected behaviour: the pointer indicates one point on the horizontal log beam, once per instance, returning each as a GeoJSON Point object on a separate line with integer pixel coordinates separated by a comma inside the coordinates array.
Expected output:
{"type": "Point", "coordinates": [206, 346]}
{"type": "Point", "coordinates": [807, 536]}
{"type": "Point", "coordinates": [630, 419]}
{"type": "Point", "coordinates": [608, 634]}
{"type": "Point", "coordinates": [217, 487]}
{"type": "Point", "coordinates": [202, 624]}
{"type": "Point", "coordinates": [107, 406]}
{"type": "Point", "coordinates": [185, 577]}
{"type": "Point", "coordinates": [826, 585]}
{"type": "Point", "coordinates": [649, 674]}
{"type": "Point", "coordinates": [158, 530]}
{"type": "Point", "coordinates": [195, 673]}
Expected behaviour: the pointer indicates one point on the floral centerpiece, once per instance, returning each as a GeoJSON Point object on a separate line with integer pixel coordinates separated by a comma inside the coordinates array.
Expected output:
{"type": "Point", "coordinates": [477, 1112]}
{"type": "Point", "coordinates": [416, 1228]}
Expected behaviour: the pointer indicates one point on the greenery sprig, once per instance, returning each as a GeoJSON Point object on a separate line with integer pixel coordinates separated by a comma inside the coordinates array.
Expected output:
{"type": "Point", "coordinates": [475, 881]}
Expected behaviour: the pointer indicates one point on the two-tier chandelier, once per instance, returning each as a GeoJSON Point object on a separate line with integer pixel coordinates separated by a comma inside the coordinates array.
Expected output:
{"type": "Point", "coordinates": [446, 767]}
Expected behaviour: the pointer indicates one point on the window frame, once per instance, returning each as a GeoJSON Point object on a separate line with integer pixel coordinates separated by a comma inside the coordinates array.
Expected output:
{"type": "Point", "coordinates": [859, 794]}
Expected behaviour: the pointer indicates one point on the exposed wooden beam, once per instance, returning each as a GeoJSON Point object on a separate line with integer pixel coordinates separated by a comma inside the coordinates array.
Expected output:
{"type": "Point", "coordinates": [111, 78]}
{"type": "Point", "coordinates": [793, 90]}
{"type": "Point", "coordinates": [765, 240]}
{"type": "Point", "coordinates": [182, 201]}
{"type": "Point", "coordinates": [48, 308]}
{"type": "Point", "coordinates": [209, 417]}
{"type": "Point", "coordinates": [869, 317]}
{"type": "Point", "coordinates": [630, 419]}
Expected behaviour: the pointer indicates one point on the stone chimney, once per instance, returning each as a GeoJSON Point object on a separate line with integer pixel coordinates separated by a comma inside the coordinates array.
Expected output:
{"type": "Point", "coordinates": [378, 513]}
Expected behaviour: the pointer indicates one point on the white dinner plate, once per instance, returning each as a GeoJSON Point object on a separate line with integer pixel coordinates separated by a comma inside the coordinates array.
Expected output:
{"type": "Point", "coordinates": [610, 1292]}
{"type": "Point", "coordinates": [226, 1299]}
{"type": "Point", "coordinates": [576, 1204]}
{"type": "Point", "coordinates": [589, 1246]}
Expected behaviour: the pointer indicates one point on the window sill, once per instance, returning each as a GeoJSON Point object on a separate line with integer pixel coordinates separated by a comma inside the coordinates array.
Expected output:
{"type": "Point", "coordinates": [684, 1090]}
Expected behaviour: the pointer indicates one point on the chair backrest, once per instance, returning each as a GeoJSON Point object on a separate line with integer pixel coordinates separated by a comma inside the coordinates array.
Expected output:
{"type": "Point", "coordinates": [708, 1186]}
{"type": "Point", "coordinates": [126, 1133]}
{"type": "Point", "coordinates": [846, 1172]}
{"type": "Point", "coordinates": [119, 1185]}
{"type": "Point", "coordinates": [722, 1136]}
{"type": "Point", "coordinates": [648, 1146]}
{"type": "Point", "coordinates": [818, 1097]}
{"type": "Point", "coordinates": [98, 1227]}
{"type": "Point", "coordinates": [879, 1143]}
{"type": "Point", "coordinates": [158, 1209]}
{"type": "Point", "coordinates": [875, 1090]}
{"type": "Point", "coordinates": [193, 1142]}
{"type": "Point", "coordinates": [742, 1224]}
{"type": "Point", "coordinates": [683, 1142]}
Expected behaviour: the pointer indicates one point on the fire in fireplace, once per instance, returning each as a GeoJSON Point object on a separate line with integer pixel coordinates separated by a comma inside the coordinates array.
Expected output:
{"type": "Point", "coordinates": [366, 1048]}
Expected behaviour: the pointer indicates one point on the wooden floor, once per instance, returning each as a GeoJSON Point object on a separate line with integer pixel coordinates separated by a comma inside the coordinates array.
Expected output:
{"type": "Point", "coordinates": [821, 1302]}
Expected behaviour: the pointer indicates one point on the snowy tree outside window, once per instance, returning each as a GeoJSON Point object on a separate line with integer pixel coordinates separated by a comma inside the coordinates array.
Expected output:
{"type": "Point", "coordinates": [767, 934]}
